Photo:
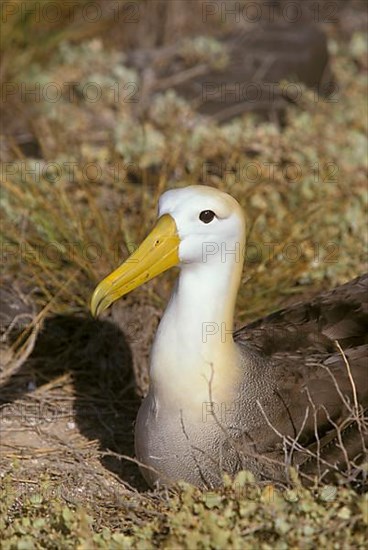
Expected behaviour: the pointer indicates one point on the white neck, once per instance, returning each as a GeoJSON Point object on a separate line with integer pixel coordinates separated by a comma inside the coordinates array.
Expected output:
{"type": "Point", "coordinates": [194, 355]}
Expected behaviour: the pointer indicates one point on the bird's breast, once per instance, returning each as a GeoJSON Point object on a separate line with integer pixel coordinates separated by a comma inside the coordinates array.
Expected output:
{"type": "Point", "coordinates": [196, 444]}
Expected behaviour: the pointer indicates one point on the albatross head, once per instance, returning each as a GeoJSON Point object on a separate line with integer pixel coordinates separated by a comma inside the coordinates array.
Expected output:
{"type": "Point", "coordinates": [196, 225]}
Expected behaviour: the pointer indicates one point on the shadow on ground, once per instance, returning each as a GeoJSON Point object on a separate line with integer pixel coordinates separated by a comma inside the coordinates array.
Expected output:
{"type": "Point", "coordinates": [98, 357]}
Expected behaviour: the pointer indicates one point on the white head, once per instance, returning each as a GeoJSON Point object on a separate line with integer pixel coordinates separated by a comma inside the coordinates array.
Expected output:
{"type": "Point", "coordinates": [196, 225]}
{"type": "Point", "coordinates": [209, 222]}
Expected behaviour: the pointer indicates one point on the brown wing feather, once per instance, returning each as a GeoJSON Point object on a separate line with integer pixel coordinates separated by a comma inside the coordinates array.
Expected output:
{"type": "Point", "coordinates": [316, 386]}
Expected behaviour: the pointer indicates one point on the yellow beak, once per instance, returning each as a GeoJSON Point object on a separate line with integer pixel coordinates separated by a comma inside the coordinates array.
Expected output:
{"type": "Point", "coordinates": [157, 253]}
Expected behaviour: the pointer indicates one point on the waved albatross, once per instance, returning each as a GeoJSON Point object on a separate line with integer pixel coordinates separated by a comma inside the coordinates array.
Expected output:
{"type": "Point", "coordinates": [278, 392]}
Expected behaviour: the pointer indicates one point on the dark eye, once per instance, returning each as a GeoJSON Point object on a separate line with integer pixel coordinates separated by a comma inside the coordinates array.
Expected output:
{"type": "Point", "coordinates": [207, 216]}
